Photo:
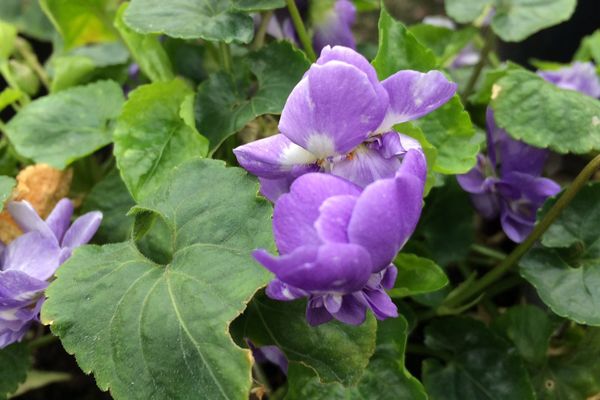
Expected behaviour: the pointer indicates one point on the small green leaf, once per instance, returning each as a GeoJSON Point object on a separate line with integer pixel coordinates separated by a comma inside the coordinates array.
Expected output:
{"type": "Point", "coordinates": [82, 22]}
{"type": "Point", "coordinates": [480, 364]}
{"type": "Point", "coordinates": [258, 5]}
{"type": "Point", "coordinates": [417, 275]}
{"type": "Point", "coordinates": [565, 270]}
{"type": "Point", "coordinates": [8, 96]}
{"type": "Point", "coordinates": [8, 34]}
{"type": "Point", "coordinates": [7, 185]}
{"type": "Point", "coordinates": [450, 130]}
{"type": "Point", "coordinates": [15, 361]}
{"type": "Point", "coordinates": [60, 128]}
{"type": "Point", "coordinates": [146, 50]}
{"type": "Point", "coordinates": [385, 378]}
{"type": "Point", "coordinates": [224, 106]}
{"type": "Point", "coordinates": [529, 328]}
{"type": "Point", "coordinates": [444, 42]}
{"type": "Point", "coordinates": [215, 20]}
{"type": "Point", "coordinates": [151, 137]}
{"type": "Point", "coordinates": [589, 49]}
{"type": "Point", "coordinates": [336, 351]}
{"type": "Point", "coordinates": [111, 197]}
{"type": "Point", "coordinates": [465, 11]}
{"type": "Point", "coordinates": [564, 120]}
{"type": "Point", "coordinates": [399, 49]}
{"type": "Point", "coordinates": [27, 17]}
{"type": "Point", "coordinates": [161, 331]}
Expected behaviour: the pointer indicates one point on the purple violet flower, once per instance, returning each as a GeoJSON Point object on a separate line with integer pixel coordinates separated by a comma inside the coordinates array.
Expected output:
{"type": "Point", "coordinates": [580, 76]}
{"type": "Point", "coordinates": [271, 354]}
{"type": "Point", "coordinates": [337, 241]}
{"type": "Point", "coordinates": [339, 119]}
{"type": "Point", "coordinates": [29, 261]}
{"type": "Point", "coordinates": [332, 25]}
{"type": "Point", "coordinates": [506, 182]}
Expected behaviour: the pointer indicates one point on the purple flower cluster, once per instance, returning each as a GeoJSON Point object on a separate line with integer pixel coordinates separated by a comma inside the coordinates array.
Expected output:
{"type": "Point", "coordinates": [29, 261]}
{"type": "Point", "coordinates": [507, 181]}
{"type": "Point", "coordinates": [332, 27]}
{"type": "Point", "coordinates": [347, 188]}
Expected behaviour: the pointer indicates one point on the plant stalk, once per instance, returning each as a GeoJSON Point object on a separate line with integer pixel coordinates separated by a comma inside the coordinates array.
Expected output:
{"type": "Point", "coordinates": [226, 59]}
{"type": "Point", "coordinates": [261, 32]}
{"type": "Point", "coordinates": [483, 59]}
{"type": "Point", "coordinates": [301, 30]}
{"type": "Point", "coordinates": [31, 59]}
{"type": "Point", "coordinates": [519, 251]}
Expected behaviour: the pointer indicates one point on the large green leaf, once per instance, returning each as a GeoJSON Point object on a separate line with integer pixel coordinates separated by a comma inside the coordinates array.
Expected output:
{"type": "Point", "coordinates": [450, 130]}
{"type": "Point", "coordinates": [82, 22]}
{"type": "Point", "coordinates": [529, 328]}
{"type": "Point", "coordinates": [336, 351]}
{"type": "Point", "coordinates": [6, 187]}
{"type": "Point", "coordinates": [399, 49]}
{"type": "Point", "coordinates": [152, 331]}
{"type": "Point", "coordinates": [14, 364]}
{"type": "Point", "coordinates": [417, 275]}
{"type": "Point", "coordinates": [191, 19]}
{"type": "Point", "coordinates": [480, 364]}
{"type": "Point", "coordinates": [224, 105]}
{"type": "Point", "coordinates": [111, 197]}
{"type": "Point", "coordinates": [565, 269]}
{"type": "Point", "coordinates": [385, 378]}
{"type": "Point", "coordinates": [60, 128]}
{"type": "Point", "coordinates": [28, 17]}
{"type": "Point", "coordinates": [564, 120]}
{"type": "Point", "coordinates": [151, 137]}
{"type": "Point", "coordinates": [146, 50]}
{"type": "Point", "coordinates": [513, 20]}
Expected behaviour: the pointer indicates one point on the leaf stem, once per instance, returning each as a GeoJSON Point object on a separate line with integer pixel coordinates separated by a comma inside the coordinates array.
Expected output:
{"type": "Point", "coordinates": [226, 60]}
{"type": "Point", "coordinates": [31, 59]}
{"type": "Point", "coordinates": [488, 45]}
{"type": "Point", "coordinates": [496, 273]}
{"type": "Point", "coordinates": [259, 39]}
{"type": "Point", "coordinates": [488, 252]}
{"type": "Point", "coordinates": [301, 30]}
{"type": "Point", "coordinates": [42, 341]}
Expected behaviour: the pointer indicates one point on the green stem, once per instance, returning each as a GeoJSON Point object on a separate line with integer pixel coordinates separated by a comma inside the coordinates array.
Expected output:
{"type": "Point", "coordinates": [42, 341]}
{"type": "Point", "coordinates": [485, 52]}
{"type": "Point", "coordinates": [496, 273]}
{"type": "Point", "coordinates": [226, 60]}
{"type": "Point", "coordinates": [301, 30]}
{"type": "Point", "coordinates": [31, 59]}
{"type": "Point", "coordinates": [488, 252]}
{"type": "Point", "coordinates": [261, 32]}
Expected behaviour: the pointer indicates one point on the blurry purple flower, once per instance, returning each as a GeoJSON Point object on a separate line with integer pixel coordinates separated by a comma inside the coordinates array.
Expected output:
{"type": "Point", "coordinates": [339, 119]}
{"type": "Point", "coordinates": [506, 182]}
{"type": "Point", "coordinates": [580, 76]}
{"type": "Point", "coordinates": [332, 25]}
{"type": "Point", "coordinates": [337, 242]}
{"type": "Point", "coordinates": [29, 261]}
{"type": "Point", "coordinates": [271, 354]}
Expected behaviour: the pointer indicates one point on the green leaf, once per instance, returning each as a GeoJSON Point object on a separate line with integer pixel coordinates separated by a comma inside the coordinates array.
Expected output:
{"type": "Point", "coordinates": [8, 34]}
{"type": "Point", "coordinates": [151, 137]}
{"type": "Point", "coordinates": [111, 197]}
{"type": "Point", "coordinates": [444, 42]}
{"type": "Point", "coordinates": [27, 17]}
{"type": "Point", "coordinates": [160, 331]}
{"type": "Point", "coordinates": [447, 225]}
{"type": "Point", "coordinates": [410, 129]}
{"type": "Point", "coordinates": [399, 49]}
{"type": "Point", "coordinates": [589, 49]}
{"type": "Point", "coordinates": [69, 71]}
{"type": "Point", "coordinates": [529, 328]}
{"type": "Point", "coordinates": [513, 20]}
{"type": "Point", "coordinates": [465, 11]}
{"type": "Point", "coordinates": [14, 363]}
{"type": "Point", "coordinates": [224, 105]}
{"type": "Point", "coordinates": [8, 96]}
{"type": "Point", "coordinates": [573, 373]}
{"type": "Point", "coordinates": [417, 275]}
{"type": "Point", "coordinates": [450, 130]}
{"type": "Point", "coordinates": [566, 269]}
{"type": "Point", "coordinates": [7, 185]}
{"type": "Point", "coordinates": [480, 365]}
{"type": "Point", "coordinates": [385, 378]}
{"type": "Point", "coordinates": [82, 22]}
{"type": "Point", "coordinates": [336, 351]}
{"type": "Point", "coordinates": [483, 94]}
{"type": "Point", "coordinates": [564, 120]}
{"type": "Point", "coordinates": [146, 50]}
{"type": "Point", "coordinates": [215, 20]}
{"type": "Point", "coordinates": [75, 122]}
{"type": "Point", "coordinates": [258, 5]}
